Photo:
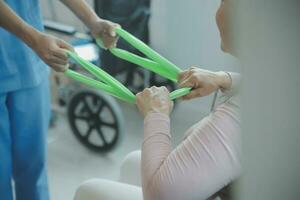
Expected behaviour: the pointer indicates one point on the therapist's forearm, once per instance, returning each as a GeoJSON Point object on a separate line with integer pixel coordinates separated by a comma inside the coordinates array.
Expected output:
{"type": "Point", "coordinates": [14, 24]}
{"type": "Point", "coordinates": [83, 11]}
{"type": "Point", "coordinates": [99, 28]}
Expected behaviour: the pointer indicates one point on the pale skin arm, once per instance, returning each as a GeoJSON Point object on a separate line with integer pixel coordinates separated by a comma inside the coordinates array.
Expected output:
{"type": "Point", "coordinates": [49, 48]}
{"type": "Point", "coordinates": [203, 83]}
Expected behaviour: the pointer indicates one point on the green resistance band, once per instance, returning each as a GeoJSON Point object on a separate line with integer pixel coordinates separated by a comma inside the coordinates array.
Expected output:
{"type": "Point", "coordinates": [109, 84]}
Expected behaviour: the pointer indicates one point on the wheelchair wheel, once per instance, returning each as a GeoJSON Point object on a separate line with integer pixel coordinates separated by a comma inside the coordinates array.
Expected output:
{"type": "Point", "coordinates": [95, 119]}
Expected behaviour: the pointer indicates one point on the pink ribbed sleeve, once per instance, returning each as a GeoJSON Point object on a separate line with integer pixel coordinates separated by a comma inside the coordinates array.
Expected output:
{"type": "Point", "coordinates": [202, 164]}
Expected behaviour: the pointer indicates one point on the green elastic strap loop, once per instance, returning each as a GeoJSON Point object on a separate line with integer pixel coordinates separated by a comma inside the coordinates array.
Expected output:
{"type": "Point", "coordinates": [161, 65]}
{"type": "Point", "coordinates": [150, 53]}
{"type": "Point", "coordinates": [95, 84]}
{"type": "Point", "coordinates": [108, 89]}
{"type": "Point", "coordinates": [179, 93]}
{"type": "Point", "coordinates": [146, 63]}
{"type": "Point", "coordinates": [111, 89]}
{"type": "Point", "coordinates": [109, 84]}
{"type": "Point", "coordinates": [119, 88]}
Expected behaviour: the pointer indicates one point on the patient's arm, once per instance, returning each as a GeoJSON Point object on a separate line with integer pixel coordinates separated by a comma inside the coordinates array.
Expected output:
{"type": "Point", "coordinates": [205, 162]}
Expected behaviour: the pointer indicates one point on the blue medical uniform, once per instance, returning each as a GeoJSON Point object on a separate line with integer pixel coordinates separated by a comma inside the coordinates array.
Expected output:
{"type": "Point", "coordinates": [24, 111]}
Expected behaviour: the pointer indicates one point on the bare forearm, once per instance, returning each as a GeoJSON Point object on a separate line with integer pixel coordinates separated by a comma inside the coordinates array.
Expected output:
{"type": "Point", "coordinates": [14, 24]}
{"type": "Point", "coordinates": [99, 28]}
{"type": "Point", "coordinates": [83, 11]}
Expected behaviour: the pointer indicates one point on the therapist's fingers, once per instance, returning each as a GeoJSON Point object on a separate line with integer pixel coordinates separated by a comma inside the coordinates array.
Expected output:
{"type": "Point", "coordinates": [58, 61]}
{"type": "Point", "coordinates": [64, 45]}
{"type": "Point", "coordinates": [52, 51]}
{"type": "Point", "coordinates": [105, 30]}
{"type": "Point", "coordinates": [111, 27]}
{"type": "Point", "coordinates": [60, 68]}
{"type": "Point", "coordinates": [60, 53]}
{"type": "Point", "coordinates": [109, 36]}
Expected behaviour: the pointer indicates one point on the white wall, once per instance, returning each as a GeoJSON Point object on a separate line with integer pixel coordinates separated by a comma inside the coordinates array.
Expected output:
{"type": "Point", "coordinates": [186, 33]}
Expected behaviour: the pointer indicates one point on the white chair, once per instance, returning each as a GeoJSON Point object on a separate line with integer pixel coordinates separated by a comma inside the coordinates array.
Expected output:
{"type": "Point", "coordinates": [127, 188]}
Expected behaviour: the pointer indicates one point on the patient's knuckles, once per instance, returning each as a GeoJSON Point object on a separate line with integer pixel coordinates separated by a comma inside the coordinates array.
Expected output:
{"type": "Point", "coordinates": [139, 96]}
{"type": "Point", "coordinates": [165, 89]}
{"type": "Point", "coordinates": [157, 89]}
{"type": "Point", "coordinates": [153, 89]}
{"type": "Point", "coordinates": [147, 92]}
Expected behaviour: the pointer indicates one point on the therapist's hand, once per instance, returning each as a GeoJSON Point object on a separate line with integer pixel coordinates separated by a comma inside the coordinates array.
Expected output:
{"type": "Point", "coordinates": [154, 99]}
{"type": "Point", "coordinates": [203, 82]}
{"type": "Point", "coordinates": [105, 30]}
{"type": "Point", "coordinates": [52, 51]}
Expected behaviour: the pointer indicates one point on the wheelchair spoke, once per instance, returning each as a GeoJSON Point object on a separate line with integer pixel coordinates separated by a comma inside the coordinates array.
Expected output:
{"type": "Point", "coordinates": [87, 106]}
{"type": "Point", "coordinates": [82, 118]}
{"type": "Point", "coordinates": [111, 125]}
{"type": "Point", "coordinates": [101, 106]}
{"type": "Point", "coordinates": [88, 133]}
{"type": "Point", "coordinates": [100, 133]}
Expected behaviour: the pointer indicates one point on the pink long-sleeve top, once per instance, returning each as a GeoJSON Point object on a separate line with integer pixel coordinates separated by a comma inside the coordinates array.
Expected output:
{"type": "Point", "coordinates": [207, 160]}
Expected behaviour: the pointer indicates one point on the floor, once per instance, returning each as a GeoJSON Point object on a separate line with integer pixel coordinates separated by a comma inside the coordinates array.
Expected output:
{"type": "Point", "coordinates": [70, 163]}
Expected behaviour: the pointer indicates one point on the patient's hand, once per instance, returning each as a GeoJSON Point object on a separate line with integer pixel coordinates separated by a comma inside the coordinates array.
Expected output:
{"type": "Point", "coordinates": [154, 99]}
{"type": "Point", "coordinates": [203, 82]}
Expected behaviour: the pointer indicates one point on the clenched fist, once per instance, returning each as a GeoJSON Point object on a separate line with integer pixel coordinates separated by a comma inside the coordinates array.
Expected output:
{"type": "Point", "coordinates": [154, 99]}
